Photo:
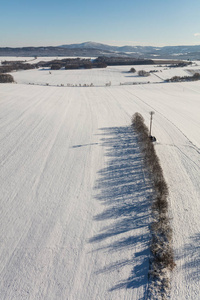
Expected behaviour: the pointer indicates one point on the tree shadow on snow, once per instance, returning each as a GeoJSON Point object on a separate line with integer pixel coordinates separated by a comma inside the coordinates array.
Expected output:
{"type": "Point", "coordinates": [192, 260]}
{"type": "Point", "coordinates": [125, 193]}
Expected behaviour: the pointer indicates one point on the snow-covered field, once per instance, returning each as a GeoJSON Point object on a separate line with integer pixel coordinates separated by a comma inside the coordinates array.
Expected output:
{"type": "Point", "coordinates": [75, 209]}
{"type": "Point", "coordinates": [117, 75]}
{"type": "Point", "coordinates": [98, 77]}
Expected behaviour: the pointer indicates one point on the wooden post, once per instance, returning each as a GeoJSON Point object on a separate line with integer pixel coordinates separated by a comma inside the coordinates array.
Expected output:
{"type": "Point", "coordinates": [151, 118]}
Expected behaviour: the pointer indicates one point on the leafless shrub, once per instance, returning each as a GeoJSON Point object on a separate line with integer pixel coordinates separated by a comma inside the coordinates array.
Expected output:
{"type": "Point", "coordinates": [137, 119]}
{"type": "Point", "coordinates": [56, 66]}
{"type": "Point", "coordinates": [132, 70]}
{"type": "Point", "coordinates": [6, 78]}
{"type": "Point", "coordinates": [143, 73]}
{"type": "Point", "coordinates": [161, 205]}
{"type": "Point", "coordinates": [108, 83]}
{"type": "Point", "coordinates": [160, 186]}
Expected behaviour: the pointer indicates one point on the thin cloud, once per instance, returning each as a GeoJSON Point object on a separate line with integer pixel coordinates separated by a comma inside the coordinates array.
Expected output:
{"type": "Point", "coordinates": [197, 34]}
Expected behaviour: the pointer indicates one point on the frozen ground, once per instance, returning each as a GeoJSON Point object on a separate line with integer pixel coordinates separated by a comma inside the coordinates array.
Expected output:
{"type": "Point", "coordinates": [99, 77]}
{"type": "Point", "coordinates": [117, 75]}
{"type": "Point", "coordinates": [75, 213]}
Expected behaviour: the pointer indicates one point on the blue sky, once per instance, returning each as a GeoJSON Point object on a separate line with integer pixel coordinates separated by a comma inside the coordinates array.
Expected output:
{"type": "Point", "coordinates": [128, 22]}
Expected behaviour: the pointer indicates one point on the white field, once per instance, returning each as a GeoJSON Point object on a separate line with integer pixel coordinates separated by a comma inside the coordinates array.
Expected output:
{"type": "Point", "coordinates": [118, 75]}
{"type": "Point", "coordinates": [75, 209]}
{"type": "Point", "coordinates": [99, 77]}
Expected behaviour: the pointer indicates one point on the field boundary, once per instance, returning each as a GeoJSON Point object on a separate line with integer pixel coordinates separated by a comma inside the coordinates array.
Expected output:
{"type": "Point", "coordinates": [162, 255]}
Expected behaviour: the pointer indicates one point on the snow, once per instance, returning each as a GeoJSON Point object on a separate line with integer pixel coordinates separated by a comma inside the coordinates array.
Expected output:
{"type": "Point", "coordinates": [75, 209]}
{"type": "Point", "coordinates": [99, 77]}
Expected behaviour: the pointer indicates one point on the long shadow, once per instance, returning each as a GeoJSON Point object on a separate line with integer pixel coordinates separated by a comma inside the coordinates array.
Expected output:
{"type": "Point", "coordinates": [125, 192]}
{"type": "Point", "coordinates": [192, 260]}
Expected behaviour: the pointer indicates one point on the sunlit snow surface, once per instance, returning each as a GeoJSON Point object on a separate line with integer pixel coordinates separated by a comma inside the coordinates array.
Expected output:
{"type": "Point", "coordinates": [75, 209]}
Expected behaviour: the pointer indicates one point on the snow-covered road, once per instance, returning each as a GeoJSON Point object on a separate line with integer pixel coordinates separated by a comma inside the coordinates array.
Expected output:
{"type": "Point", "coordinates": [75, 209]}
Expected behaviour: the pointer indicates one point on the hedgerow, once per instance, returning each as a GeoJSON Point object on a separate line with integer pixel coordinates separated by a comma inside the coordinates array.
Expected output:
{"type": "Point", "coordinates": [162, 256]}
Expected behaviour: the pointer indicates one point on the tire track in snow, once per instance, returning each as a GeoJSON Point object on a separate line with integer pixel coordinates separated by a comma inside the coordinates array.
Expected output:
{"type": "Point", "coordinates": [35, 183]}
{"type": "Point", "coordinates": [171, 122]}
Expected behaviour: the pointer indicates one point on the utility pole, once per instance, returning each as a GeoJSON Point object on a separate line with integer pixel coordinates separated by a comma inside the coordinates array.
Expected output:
{"type": "Point", "coordinates": [151, 118]}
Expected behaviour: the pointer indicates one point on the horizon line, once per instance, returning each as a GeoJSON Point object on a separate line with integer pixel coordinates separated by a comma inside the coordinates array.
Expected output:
{"type": "Point", "coordinates": [102, 43]}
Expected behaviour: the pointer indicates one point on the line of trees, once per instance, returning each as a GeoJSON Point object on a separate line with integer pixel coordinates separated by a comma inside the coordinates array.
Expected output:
{"type": "Point", "coordinates": [12, 66]}
{"type": "Point", "coordinates": [56, 64]}
{"type": "Point", "coordinates": [195, 77]}
{"type": "Point", "coordinates": [162, 256]}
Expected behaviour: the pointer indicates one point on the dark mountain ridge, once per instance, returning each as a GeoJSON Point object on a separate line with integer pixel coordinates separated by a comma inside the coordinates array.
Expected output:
{"type": "Point", "coordinates": [91, 49]}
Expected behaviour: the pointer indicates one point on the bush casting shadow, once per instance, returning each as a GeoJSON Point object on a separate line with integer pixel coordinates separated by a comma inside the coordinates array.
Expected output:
{"type": "Point", "coordinates": [125, 193]}
{"type": "Point", "coordinates": [162, 258]}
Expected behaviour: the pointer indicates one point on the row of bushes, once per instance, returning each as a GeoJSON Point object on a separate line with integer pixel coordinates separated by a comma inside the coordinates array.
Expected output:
{"type": "Point", "coordinates": [9, 62]}
{"type": "Point", "coordinates": [140, 72]}
{"type": "Point", "coordinates": [195, 77]}
{"type": "Point", "coordinates": [121, 61]}
{"type": "Point", "coordinates": [68, 64]}
{"type": "Point", "coordinates": [181, 64]}
{"type": "Point", "coordinates": [79, 65]}
{"type": "Point", "coordinates": [15, 66]}
{"type": "Point", "coordinates": [162, 260]}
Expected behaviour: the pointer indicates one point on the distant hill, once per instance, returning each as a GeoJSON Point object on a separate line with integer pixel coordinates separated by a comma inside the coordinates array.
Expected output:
{"type": "Point", "coordinates": [184, 52]}
{"type": "Point", "coordinates": [90, 45]}
{"type": "Point", "coordinates": [92, 49]}
{"type": "Point", "coordinates": [93, 45]}
{"type": "Point", "coordinates": [52, 51]}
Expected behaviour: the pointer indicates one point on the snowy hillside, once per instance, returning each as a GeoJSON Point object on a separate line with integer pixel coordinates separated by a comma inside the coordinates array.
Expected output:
{"type": "Point", "coordinates": [75, 210]}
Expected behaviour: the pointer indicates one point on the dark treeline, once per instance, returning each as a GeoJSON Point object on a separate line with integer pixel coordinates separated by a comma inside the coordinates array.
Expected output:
{"type": "Point", "coordinates": [120, 61]}
{"type": "Point", "coordinates": [195, 77]}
